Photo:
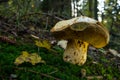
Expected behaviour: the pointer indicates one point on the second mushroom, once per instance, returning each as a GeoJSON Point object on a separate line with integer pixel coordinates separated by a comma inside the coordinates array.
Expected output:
{"type": "Point", "coordinates": [80, 32]}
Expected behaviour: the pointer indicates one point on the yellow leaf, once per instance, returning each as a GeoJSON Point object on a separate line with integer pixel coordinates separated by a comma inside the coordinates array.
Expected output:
{"type": "Point", "coordinates": [19, 60]}
{"type": "Point", "coordinates": [43, 43]}
{"type": "Point", "coordinates": [33, 58]}
{"type": "Point", "coordinates": [25, 54]}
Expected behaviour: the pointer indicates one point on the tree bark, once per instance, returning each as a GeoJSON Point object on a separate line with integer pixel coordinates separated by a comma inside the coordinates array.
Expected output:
{"type": "Point", "coordinates": [95, 10]}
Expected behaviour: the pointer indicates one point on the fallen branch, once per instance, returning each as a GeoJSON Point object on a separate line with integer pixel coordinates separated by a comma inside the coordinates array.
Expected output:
{"type": "Point", "coordinates": [6, 39]}
{"type": "Point", "coordinates": [94, 77]}
{"type": "Point", "coordinates": [114, 52]}
{"type": "Point", "coordinates": [42, 74]}
{"type": "Point", "coordinates": [40, 13]}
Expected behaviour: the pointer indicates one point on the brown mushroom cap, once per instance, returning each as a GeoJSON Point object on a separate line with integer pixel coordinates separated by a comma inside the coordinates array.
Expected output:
{"type": "Point", "coordinates": [82, 28]}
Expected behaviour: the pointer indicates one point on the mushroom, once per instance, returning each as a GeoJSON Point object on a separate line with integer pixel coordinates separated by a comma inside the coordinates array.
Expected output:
{"type": "Point", "coordinates": [80, 32]}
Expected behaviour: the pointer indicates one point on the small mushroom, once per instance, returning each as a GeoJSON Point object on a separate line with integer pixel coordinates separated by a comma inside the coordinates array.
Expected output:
{"type": "Point", "coordinates": [80, 32]}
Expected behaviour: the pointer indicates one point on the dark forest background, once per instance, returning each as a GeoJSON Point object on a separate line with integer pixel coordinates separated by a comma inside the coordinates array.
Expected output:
{"type": "Point", "coordinates": [45, 13]}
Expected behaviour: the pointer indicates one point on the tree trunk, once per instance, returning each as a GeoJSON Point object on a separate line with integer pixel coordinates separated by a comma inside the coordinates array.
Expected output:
{"type": "Point", "coordinates": [90, 2]}
{"type": "Point", "coordinates": [95, 10]}
{"type": "Point", "coordinates": [57, 6]}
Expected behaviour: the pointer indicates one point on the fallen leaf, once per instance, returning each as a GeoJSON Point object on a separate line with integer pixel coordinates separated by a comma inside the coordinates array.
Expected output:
{"type": "Point", "coordinates": [33, 58]}
{"type": "Point", "coordinates": [114, 52]}
{"type": "Point", "coordinates": [25, 54]}
{"type": "Point", "coordinates": [43, 43]}
{"type": "Point", "coordinates": [21, 58]}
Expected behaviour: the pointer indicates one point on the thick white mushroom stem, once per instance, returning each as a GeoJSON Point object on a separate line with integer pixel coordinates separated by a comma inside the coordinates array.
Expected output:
{"type": "Point", "coordinates": [76, 52]}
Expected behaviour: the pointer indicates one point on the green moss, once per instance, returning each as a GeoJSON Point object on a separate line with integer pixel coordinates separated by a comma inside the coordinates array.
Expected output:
{"type": "Point", "coordinates": [55, 66]}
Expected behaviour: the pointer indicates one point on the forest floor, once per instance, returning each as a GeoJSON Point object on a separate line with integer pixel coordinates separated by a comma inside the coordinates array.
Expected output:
{"type": "Point", "coordinates": [101, 64]}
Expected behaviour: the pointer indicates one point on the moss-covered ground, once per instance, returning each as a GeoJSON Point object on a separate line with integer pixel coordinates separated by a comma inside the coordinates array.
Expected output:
{"type": "Point", "coordinates": [54, 68]}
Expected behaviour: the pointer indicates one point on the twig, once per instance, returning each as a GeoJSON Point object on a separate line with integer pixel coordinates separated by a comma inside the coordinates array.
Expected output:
{"type": "Point", "coordinates": [47, 14]}
{"type": "Point", "coordinates": [46, 23]}
{"type": "Point", "coordinates": [54, 51]}
{"type": "Point", "coordinates": [53, 72]}
{"type": "Point", "coordinates": [81, 13]}
{"type": "Point", "coordinates": [93, 77]}
{"type": "Point", "coordinates": [43, 74]}
{"type": "Point", "coordinates": [6, 39]}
